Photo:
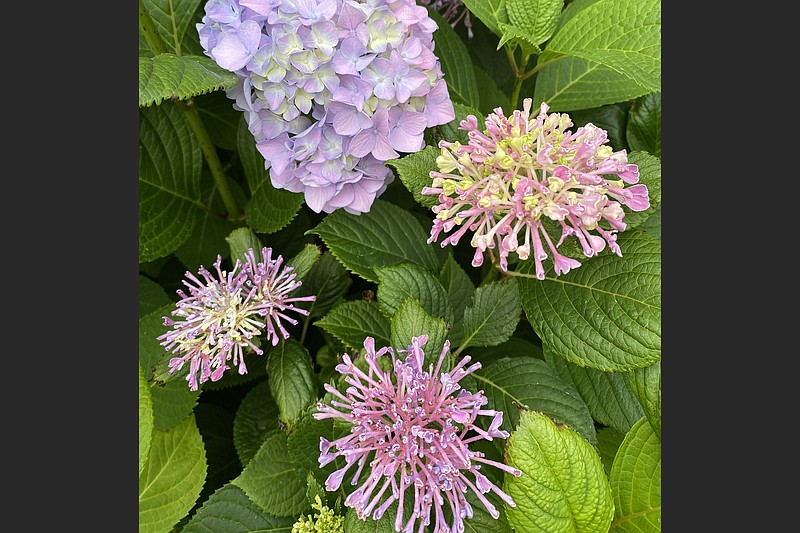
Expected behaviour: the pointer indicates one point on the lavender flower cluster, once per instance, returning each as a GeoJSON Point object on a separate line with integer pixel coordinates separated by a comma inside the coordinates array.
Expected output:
{"type": "Point", "coordinates": [331, 89]}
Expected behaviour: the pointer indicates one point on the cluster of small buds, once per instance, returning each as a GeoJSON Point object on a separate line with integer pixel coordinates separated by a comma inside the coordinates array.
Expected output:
{"type": "Point", "coordinates": [520, 171]}
{"type": "Point", "coordinates": [415, 424]}
{"type": "Point", "coordinates": [325, 521]}
{"type": "Point", "coordinates": [223, 314]}
{"type": "Point", "coordinates": [330, 89]}
{"type": "Point", "coordinates": [453, 11]}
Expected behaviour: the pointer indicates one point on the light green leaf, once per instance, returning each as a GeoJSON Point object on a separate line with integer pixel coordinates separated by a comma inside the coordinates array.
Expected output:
{"type": "Point", "coordinates": [229, 510]}
{"type": "Point", "coordinates": [608, 441]}
{"type": "Point", "coordinates": [636, 482]}
{"type": "Point", "coordinates": [172, 401]}
{"type": "Point", "coordinates": [411, 320]}
{"type": "Point", "coordinates": [573, 83]}
{"type": "Point", "coordinates": [386, 235]}
{"type": "Point", "coordinates": [459, 290]}
{"type": "Point", "coordinates": [174, 20]}
{"type": "Point", "coordinates": [608, 395]}
{"type": "Point", "coordinates": [414, 171]}
{"type": "Point", "coordinates": [167, 77]}
{"type": "Point", "coordinates": [256, 418]}
{"type": "Point", "coordinates": [605, 314]}
{"type": "Point", "coordinates": [524, 382]}
{"type": "Point", "coordinates": [455, 62]}
{"type": "Point", "coordinates": [650, 176]}
{"type": "Point", "coordinates": [304, 260]}
{"type": "Point", "coordinates": [537, 18]}
{"type": "Point", "coordinates": [151, 296]}
{"type": "Point", "coordinates": [518, 37]}
{"type": "Point", "coordinates": [240, 241]}
{"type": "Point", "coordinates": [170, 170]}
{"type": "Point", "coordinates": [172, 478]}
{"type": "Point", "coordinates": [329, 281]}
{"type": "Point", "coordinates": [490, 12]}
{"type": "Point", "coordinates": [146, 422]}
{"type": "Point", "coordinates": [623, 36]}
{"type": "Point", "coordinates": [644, 124]}
{"type": "Point", "coordinates": [271, 480]}
{"type": "Point", "coordinates": [492, 315]}
{"type": "Point", "coordinates": [352, 322]}
{"type": "Point", "coordinates": [269, 209]}
{"type": "Point", "coordinates": [291, 379]}
{"type": "Point", "coordinates": [399, 282]}
{"type": "Point", "coordinates": [563, 487]}
{"type": "Point", "coordinates": [646, 385]}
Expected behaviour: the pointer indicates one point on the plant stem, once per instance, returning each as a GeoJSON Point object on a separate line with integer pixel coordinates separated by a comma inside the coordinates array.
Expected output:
{"type": "Point", "coordinates": [306, 322]}
{"type": "Point", "coordinates": [214, 164]}
{"type": "Point", "coordinates": [150, 32]}
{"type": "Point", "coordinates": [520, 78]}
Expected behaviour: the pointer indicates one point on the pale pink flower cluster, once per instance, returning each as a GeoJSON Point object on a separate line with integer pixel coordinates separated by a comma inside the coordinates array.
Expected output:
{"type": "Point", "coordinates": [411, 428]}
{"type": "Point", "coordinates": [522, 172]}
{"type": "Point", "coordinates": [221, 315]}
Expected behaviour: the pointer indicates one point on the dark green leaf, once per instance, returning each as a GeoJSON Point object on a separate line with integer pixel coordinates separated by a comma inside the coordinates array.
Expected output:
{"type": "Point", "coordinates": [351, 322]}
{"type": "Point", "coordinates": [414, 171]}
{"type": "Point", "coordinates": [328, 280]}
{"type": "Point", "coordinates": [608, 441]}
{"type": "Point", "coordinates": [455, 62]}
{"type": "Point", "coordinates": [229, 510]}
{"type": "Point", "coordinates": [220, 118]}
{"type": "Point", "coordinates": [240, 241]}
{"type": "Point", "coordinates": [302, 263]}
{"type": "Point", "coordinates": [644, 125]}
{"type": "Point", "coordinates": [646, 385]}
{"type": "Point", "coordinates": [256, 419]}
{"type": "Point", "coordinates": [492, 315]}
{"type": "Point", "coordinates": [400, 282]}
{"type": "Point", "coordinates": [291, 379]}
{"type": "Point", "coordinates": [612, 118]}
{"type": "Point", "coordinates": [650, 176]}
{"type": "Point", "coordinates": [411, 320]}
{"type": "Point", "coordinates": [459, 290]}
{"type": "Point", "coordinates": [151, 296]}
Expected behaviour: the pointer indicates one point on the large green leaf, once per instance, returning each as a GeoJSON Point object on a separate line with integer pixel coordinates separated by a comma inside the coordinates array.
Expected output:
{"type": "Point", "coordinates": [605, 314]}
{"type": "Point", "coordinates": [240, 241]}
{"type": "Point", "coordinates": [302, 262]}
{"type": "Point", "coordinates": [411, 320]}
{"type": "Point", "coordinates": [291, 379]}
{"type": "Point", "coordinates": [491, 96]}
{"type": "Point", "coordinates": [386, 235]}
{"type": "Point", "coordinates": [271, 480]}
{"type": "Point", "coordinates": [145, 419]}
{"type": "Point", "coordinates": [170, 170]}
{"type": "Point", "coordinates": [455, 61]}
{"type": "Point", "coordinates": [167, 77]}
{"type": "Point", "coordinates": [256, 418]}
{"type": "Point", "coordinates": [493, 314]}
{"type": "Point", "coordinates": [459, 290]}
{"type": "Point", "coordinates": [563, 487]}
{"type": "Point", "coordinates": [607, 394]}
{"type": "Point", "coordinates": [174, 20]}
{"type": "Point", "coordinates": [644, 126]}
{"type": "Point", "coordinates": [329, 281]}
{"type": "Point", "coordinates": [537, 18]}
{"type": "Point", "coordinates": [650, 176]}
{"type": "Point", "coordinates": [304, 445]}
{"type": "Point", "coordinates": [229, 510]}
{"type": "Point", "coordinates": [151, 296]}
{"type": "Point", "coordinates": [399, 282]}
{"type": "Point", "coordinates": [351, 322]}
{"type": "Point", "coordinates": [646, 385]}
{"type": "Point", "coordinates": [608, 442]}
{"type": "Point", "coordinates": [491, 12]}
{"type": "Point", "coordinates": [269, 209]}
{"type": "Point", "coordinates": [636, 482]}
{"type": "Point", "coordinates": [527, 383]}
{"type": "Point", "coordinates": [172, 478]}
{"type": "Point", "coordinates": [414, 172]}
{"type": "Point", "coordinates": [623, 36]}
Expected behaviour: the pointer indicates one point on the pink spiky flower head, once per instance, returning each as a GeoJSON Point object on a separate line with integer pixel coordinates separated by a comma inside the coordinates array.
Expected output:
{"type": "Point", "coordinates": [413, 431]}
{"type": "Point", "coordinates": [521, 171]}
{"type": "Point", "coordinates": [221, 316]}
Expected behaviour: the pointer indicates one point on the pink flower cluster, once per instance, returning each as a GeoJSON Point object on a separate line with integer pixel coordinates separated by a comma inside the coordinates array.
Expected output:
{"type": "Point", "coordinates": [413, 431]}
{"type": "Point", "coordinates": [521, 173]}
{"type": "Point", "coordinates": [331, 89]}
{"type": "Point", "coordinates": [221, 315]}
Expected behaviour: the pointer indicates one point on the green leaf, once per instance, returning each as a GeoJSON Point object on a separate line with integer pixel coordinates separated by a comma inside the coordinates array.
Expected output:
{"type": "Point", "coordinates": [492, 315]}
{"type": "Point", "coordinates": [146, 420]}
{"type": "Point", "coordinates": [649, 175]}
{"type": "Point", "coordinates": [329, 281]}
{"type": "Point", "coordinates": [256, 368]}
{"type": "Point", "coordinates": [538, 18]}
{"type": "Point", "coordinates": [636, 482]}
{"type": "Point", "coordinates": [563, 487]}
{"type": "Point", "coordinates": [271, 481]}
{"type": "Point", "coordinates": [386, 235]}
{"type": "Point", "coordinates": [169, 77]}
{"type": "Point", "coordinates": [206, 241]}
{"type": "Point", "coordinates": [608, 441]}
{"type": "Point", "coordinates": [455, 62]}
{"type": "Point", "coordinates": [354, 524]}
{"type": "Point", "coordinates": [170, 170]}
{"type": "Point", "coordinates": [215, 423]}
{"type": "Point", "coordinates": [490, 94]}
{"type": "Point", "coordinates": [399, 282]}
{"type": "Point", "coordinates": [482, 521]}
{"type": "Point", "coordinates": [172, 478]}
{"type": "Point", "coordinates": [302, 263]}
{"type": "Point", "coordinates": [646, 385]}
{"type": "Point", "coordinates": [304, 442]}
{"type": "Point", "coordinates": [414, 172]}
{"type": "Point", "coordinates": [411, 320]}
{"type": "Point", "coordinates": [644, 125]}
{"type": "Point", "coordinates": [256, 419]}
{"type": "Point", "coordinates": [229, 510]}
{"type": "Point", "coordinates": [612, 118]}
{"type": "Point", "coordinates": [269, 209]}
{"type": "Point", "coordinates": [527, 383]}
{"type": "Point", "coordinates": [172, 401]}
{"type": "Point", "coordinates": [352, 322]}
{"type": "Point", "coordinates": [573, 83]}
{"type": "Point", "coordinates": [459, 289]}
{"type": "Point", "coordinates": [291, 379]}
{"type": "Point", "coordinates": [452, 131]}
{"type": "Point", "coordinates": [490, 12]}
{"type": "Point", "coordinates": [608, 395]}
{"type": "Point", "coordinates": [151, 296]}
{"type": "Point", "coordinates": [240, 241]}
{"type": "Point", "coordinates": [605, 314]}
{"type": "Point", "coordinates": [513, 347]}
{"type": "Point", "coordinates": [220, 118]}
{"type": "Point", "coordinates": [623, 36]}
{"type": "Point", "coordinates": [174, 21]}
{"type": "Point", "coordinates": [653, 223]}
{"type": "Point", "coordinates": [518, 37]}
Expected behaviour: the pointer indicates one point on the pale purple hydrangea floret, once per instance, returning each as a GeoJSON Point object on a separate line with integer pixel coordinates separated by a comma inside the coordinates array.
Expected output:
{"type": "Point", "coordinates": [521, 171]}
{"type": "Point", "coordinates": [222, 315]}
{"type": "Point", "coordinates": [410, 435]}
{"type": "Point", "coordinates": [358, 76]}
